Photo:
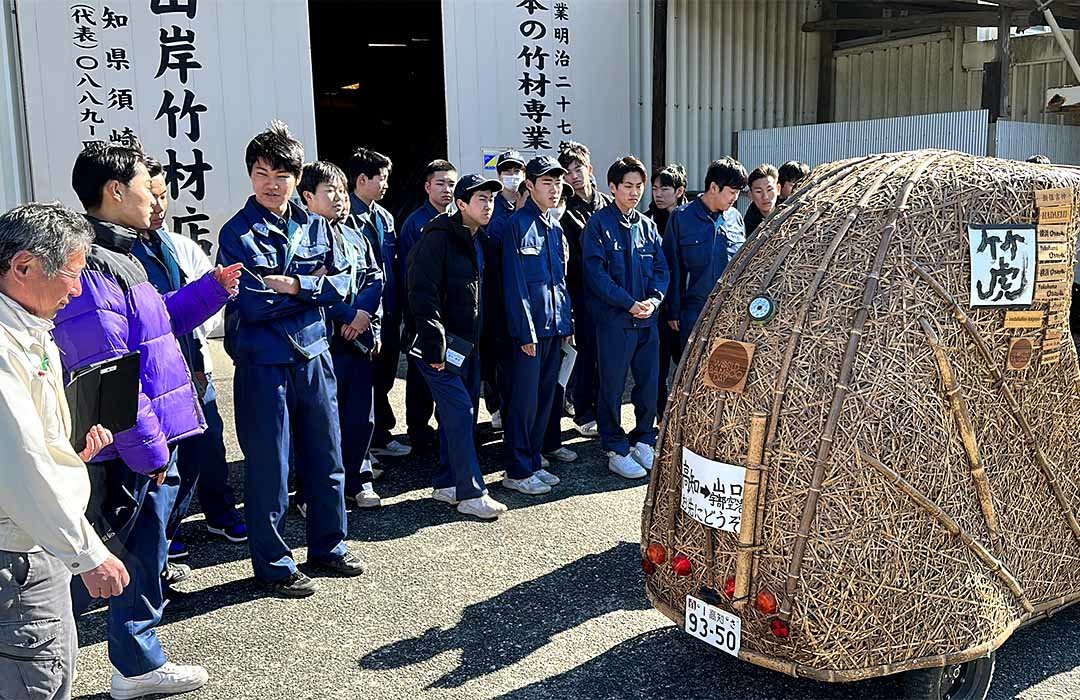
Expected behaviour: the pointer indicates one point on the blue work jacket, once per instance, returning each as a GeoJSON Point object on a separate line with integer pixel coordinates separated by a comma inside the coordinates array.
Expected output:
{"type": "Point", "coordinates": [534, 277]}
{"type": "Point", "coordinates": [624, 264]}
{"type": "Point", "coordinates": [377, 224]}
{"type": "Point", "coordinates": [354, 257]}
{"type": "Point", "coordinates": [264, 327]}
{"type": "Point", "coordinates": [698, 245]}
{"type": "Point", "coordinates": [414, 226]}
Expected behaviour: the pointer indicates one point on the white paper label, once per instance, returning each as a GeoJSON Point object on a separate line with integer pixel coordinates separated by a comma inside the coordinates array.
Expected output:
{"type": "Point", "coordinates": [1002, 265]}
{"type": "Point", "coordinates": [712, 491]}
{"type": "Point", "coordinates": [454, 357]}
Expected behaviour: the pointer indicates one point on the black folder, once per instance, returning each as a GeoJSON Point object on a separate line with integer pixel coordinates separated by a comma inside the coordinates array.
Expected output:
{"type": "Point", "coordinates": [105, 393]}
{"type": "Point", "coordinates": [457, 349]}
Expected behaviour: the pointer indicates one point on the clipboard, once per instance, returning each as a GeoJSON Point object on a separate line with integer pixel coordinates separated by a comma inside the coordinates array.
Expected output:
{"type": "Point", "coordinates": [105, 393]}
{"type": "Point", "coordinates": [569, 358]}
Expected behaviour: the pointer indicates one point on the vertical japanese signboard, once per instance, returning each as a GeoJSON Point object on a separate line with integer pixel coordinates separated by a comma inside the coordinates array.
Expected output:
{"type": "Point", "coordinates": [189, 79]}
{"type": "Point", "coordinates": [532, 74]}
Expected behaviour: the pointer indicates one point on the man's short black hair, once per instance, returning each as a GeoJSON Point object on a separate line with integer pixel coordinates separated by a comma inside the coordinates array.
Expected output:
{"type": "Point", "coordinates": [153, 166]}
{"type": "Point", "coordinates": [672, 175]}
{"type": "Point", "coordinates": [100, 162]}
{"type": "Point", "coordinates": [438, 165]}
{"type": "Point", "coordinates": [316, 173]}
{"type": "Point", "coordinates": [624, 166]}
{"type": "Point", "coordinates": [277, 148]}
{"type": "Point", "coordinates": [368, 163]}
{"type": "Point", "coordinates": [1039, 159]}
{"type": "Point", "coordinates": [726, 172]}
{"type": "Point", "coordinates": [763, 170]}
{"type": "Point", "coordinates": [792, 171]}
{"type": "Point", "coordinates": [571, 151]}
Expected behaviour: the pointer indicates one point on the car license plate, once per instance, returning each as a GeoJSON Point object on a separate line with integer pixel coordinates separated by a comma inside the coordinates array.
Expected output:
{"type": "Point", "coordinates": [713, 625]}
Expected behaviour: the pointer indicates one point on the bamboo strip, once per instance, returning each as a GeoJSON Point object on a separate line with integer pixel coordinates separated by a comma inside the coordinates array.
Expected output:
{"type": "Point", "coordinates": [950, 524]}
{"type": "Point", "coordinates": [1010, 400]}
{"type": "Point", "coordinates": [754, 457]}
{"type": "Point", "coordinates": [967, 431]}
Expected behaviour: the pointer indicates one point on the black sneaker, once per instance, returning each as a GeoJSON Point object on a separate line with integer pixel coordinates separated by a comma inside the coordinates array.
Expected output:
{"type": "Point", "coordinates": [296, 585]}
{"type": "Point", "coordinates": [175, 573]}
{"type": "Point", "coordinates": [347, 565]}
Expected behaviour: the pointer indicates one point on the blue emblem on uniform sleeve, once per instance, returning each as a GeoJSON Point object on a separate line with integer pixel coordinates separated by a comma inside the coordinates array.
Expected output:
{"type": "Point", "coordinates": [261, 228]}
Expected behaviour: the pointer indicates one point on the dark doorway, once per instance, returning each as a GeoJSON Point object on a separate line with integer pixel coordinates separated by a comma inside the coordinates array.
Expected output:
{"type": "Point", "coordinates": [377, 67]}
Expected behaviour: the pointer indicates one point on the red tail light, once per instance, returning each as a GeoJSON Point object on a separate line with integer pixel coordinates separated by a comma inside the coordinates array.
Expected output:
{"type": "Point", "coordinates": [647, 566]}
{"type": "Point", "coordinates": [656, 553]}
{"type": "Point", "coordinates": [729, 587]}
{"type": "Point", "coordinates": [680, 564]}
{"type": "Point", "coordinates": [766, 602]}
{"type": "Point", "coordinates": [780, 628]}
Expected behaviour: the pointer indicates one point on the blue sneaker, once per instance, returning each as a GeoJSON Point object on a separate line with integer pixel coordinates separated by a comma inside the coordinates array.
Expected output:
{"type": "Point", "coordinates": [177, 549]}
{"type": "Point", "coordinates": [236, 532]}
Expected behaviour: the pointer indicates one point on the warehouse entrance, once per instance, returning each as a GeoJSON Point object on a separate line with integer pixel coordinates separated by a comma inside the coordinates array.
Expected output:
{"type": "Point", "coordinates": [377, 67]}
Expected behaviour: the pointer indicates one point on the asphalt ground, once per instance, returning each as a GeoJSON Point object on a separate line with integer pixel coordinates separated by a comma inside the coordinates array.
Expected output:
{"type": "Point", "coordinates": [546, 602]}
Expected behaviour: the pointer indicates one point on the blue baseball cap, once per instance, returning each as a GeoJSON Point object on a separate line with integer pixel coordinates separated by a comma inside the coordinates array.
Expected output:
{"type": "Point", "coordinates": [510, 157]}
{"type": "Point", "coordinates": [543, 165]}
{"type": "Point", "coordinates": [471, 183]}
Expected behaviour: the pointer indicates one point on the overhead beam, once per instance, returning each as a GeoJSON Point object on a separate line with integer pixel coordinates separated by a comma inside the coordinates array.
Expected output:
{"type": "Point", "coordinates": [936, 19]}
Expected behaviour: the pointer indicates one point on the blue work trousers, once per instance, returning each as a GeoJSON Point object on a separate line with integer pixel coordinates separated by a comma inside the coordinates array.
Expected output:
{"type": "Point", "coordinates": [533, 381]}
{"type": "Point", "coordinates": [136, 509]}
{"type": "Point", "coordinates": [283, 408]}
{"type": "Point", "coordinates": [457, 397]}
{"type": "Point", "coordinates": [635, 351]}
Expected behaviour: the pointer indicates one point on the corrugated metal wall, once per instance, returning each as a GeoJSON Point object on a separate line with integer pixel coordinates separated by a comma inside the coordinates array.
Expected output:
{"type": "Point", "coordinates": [823, 143]}
{"type": "Point", "coordinates": [641, 81]}
{"type": "Point", "coordinates": [732, 65]}
{"type": "Point", "coordinates": [942, 72]}
{"type": "Point", "coordinates": [1020, 140]}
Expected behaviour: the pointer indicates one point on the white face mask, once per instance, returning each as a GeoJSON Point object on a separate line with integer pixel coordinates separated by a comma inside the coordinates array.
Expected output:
{"type": "Point", "coordinates": [512, 182]}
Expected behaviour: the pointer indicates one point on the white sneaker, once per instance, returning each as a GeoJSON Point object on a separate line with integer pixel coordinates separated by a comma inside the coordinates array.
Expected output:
{"type": "Point", "coordinates": [302, 507]}
{"type": "Point", "coordinates": [531, 486]}
{"type": "Point", "coordinates": [643, 454]}
{"type": "Point", "coordinates": [547, 477]}
{"type": "Point", "coordinates": [496, 421]}
{"type": "Point", "coordinates": [563, 454]}
{"type": "Point", "coordinates": [484, 507]}
{"type": "Point", "coordinates": [588, 430]}
{"type": "Point", "coordinates": [367, 498]}
{"type": "Point", "coordinates": [446, 495]}
{"type": "Point", "coordinates": [625, 466]}
{"type": "Point", "coordinates": [544, 463]}
{"type": "Point", "coordinates": [169, 678]}
{"type": "Point", "coordinates": [392, 449]}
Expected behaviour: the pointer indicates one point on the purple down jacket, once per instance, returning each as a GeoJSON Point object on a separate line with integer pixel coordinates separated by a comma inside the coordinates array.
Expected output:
{"type": "Point", "coordinates": [118, 312]}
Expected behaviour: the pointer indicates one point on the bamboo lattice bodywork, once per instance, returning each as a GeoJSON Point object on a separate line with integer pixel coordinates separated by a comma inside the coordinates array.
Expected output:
{"type": "Point", "coordinates": [916, 501]}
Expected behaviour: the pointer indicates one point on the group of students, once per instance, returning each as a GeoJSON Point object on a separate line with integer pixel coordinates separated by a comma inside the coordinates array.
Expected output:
{"type": "Point", "coordinates": [490, 283]}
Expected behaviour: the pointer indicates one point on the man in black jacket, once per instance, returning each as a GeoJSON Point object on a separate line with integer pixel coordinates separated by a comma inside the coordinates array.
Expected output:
{"type": "Point", "coordinates": [445, 278]}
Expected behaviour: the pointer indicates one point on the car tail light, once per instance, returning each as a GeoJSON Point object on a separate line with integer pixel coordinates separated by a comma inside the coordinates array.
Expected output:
{"type": "Point", "coordinates": [647, 566]}
{"type": "Point", "coordinates": [656, 553]}
{"type": "Point", "coordinates": [680, 564]}
{"type": "Point", "coordinates": [766, 602]}
{"type": "Point", "coordinates": [729, 587]}
{"type": "Point", "coordinates": [780, 628]}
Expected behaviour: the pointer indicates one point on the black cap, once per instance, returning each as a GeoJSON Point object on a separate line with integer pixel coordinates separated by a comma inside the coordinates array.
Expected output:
{"type": "Point", "coordinates": [470, 183]}
{"type": "Point", "coordinates": [543, 165]}
{"type": "Point", "coordinates": [510, 157]}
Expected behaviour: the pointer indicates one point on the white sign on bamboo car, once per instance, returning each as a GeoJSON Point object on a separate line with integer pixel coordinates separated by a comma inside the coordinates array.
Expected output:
{"type": "Point", "coordinates": [1002, 265]}
{"type": "Point", "coordinates": [712, 492]}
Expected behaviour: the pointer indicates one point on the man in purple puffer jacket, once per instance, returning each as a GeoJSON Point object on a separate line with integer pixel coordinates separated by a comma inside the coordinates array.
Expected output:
{"type": "Point", "coordinates": [135, 480]}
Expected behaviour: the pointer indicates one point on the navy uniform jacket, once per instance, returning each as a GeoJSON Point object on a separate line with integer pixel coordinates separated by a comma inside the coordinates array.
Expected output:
{"type": "Point", "coordinates": [264, 327]}
{"type": "Point", "coordinates": [366, 285]}
{"type": "Point", "coordinates": [362, 218]}
{"type": "Point", "coordinates": [698, 245]}
{"type": "Point", "coordinates": [624, 264]}
{"type": "Point", "coordinates": [414, 226]}
{"type": "Point", "coordinates": [494, 304]}
{"type": "Point", "coordinates": [534, 277]}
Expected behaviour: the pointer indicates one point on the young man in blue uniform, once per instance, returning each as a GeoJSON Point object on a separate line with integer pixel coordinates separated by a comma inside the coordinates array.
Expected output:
{"type": "Point", "coordinates": [701, 238]}
{"type": "Point", "coordinates": [510, 167]}
{"type": "Point", "coordinates": [537, 319]}
{"type": "Point", "coordinates": [284, 387]}
{"type": "Point", "coordinates": [369, 178]}
{"type": "Point", "coordinates": [626, 279]}
{"type": "Point", "coordinates": [440, 178]}
{"type": "Point", "coordinates": [586, 201]}
{"type": "Point", "coordinates": [353, 326]}
{"type": "Point", "coordinates": [445, 292]}
{"type": "Point", "coordinates": [668, 193]}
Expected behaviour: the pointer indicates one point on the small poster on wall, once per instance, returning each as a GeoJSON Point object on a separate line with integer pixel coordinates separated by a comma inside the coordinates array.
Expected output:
{"type": "Point", "coordinates": [1002, 264]}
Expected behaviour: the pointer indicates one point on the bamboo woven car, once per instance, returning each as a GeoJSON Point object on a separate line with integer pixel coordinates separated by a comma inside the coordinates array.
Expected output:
{"type": "Point", "coordinates": [910, 490]}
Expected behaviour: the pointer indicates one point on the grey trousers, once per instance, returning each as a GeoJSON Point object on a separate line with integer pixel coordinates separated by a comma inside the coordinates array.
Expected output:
{"type": "Point", "coordinates": [38, 640]}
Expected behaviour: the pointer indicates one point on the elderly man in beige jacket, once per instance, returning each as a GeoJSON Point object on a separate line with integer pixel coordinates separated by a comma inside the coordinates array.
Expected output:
{"type": "Point", "coordinates": [44, 536]}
